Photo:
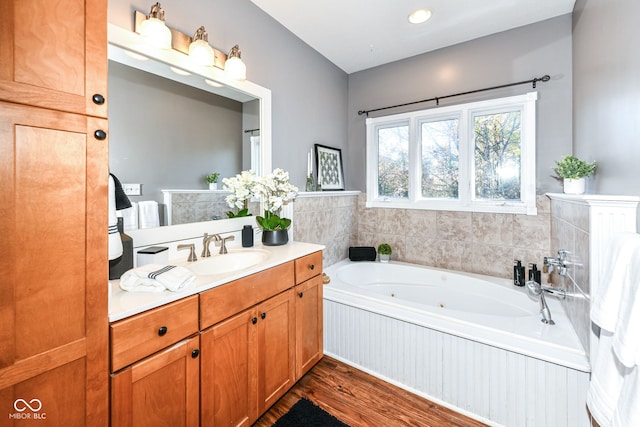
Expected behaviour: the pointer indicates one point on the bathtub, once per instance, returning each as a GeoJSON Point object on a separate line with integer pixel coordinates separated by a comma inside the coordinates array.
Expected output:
{"type": "Point", "coordinates": [473, 343]}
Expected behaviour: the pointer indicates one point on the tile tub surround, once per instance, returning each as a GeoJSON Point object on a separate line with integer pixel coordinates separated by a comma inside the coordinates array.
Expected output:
{"type": "Point", "coordinates": [582, 224]}
{"type": "Point", "coordinates": [328, 218]}
{"type": "Point", "coordinates": [483, 243]}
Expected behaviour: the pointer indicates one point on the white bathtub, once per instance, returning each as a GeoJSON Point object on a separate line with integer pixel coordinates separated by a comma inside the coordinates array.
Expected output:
{"type": "Point", "coordinates": [474, 343]}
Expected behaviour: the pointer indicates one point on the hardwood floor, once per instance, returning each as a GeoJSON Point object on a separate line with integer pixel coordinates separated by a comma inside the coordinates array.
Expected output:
{"type": "Point", "coordinates": [359, 399]}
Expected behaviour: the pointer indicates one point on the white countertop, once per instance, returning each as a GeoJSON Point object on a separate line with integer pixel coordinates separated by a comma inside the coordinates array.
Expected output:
{"type": "Point", "coordinates": [123, 304]}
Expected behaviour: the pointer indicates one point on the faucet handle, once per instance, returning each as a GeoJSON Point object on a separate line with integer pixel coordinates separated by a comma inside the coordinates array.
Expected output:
{"type": "Point", "coordinates": [192, 251]}
{"type": "Point", "coordinates": [223, 243]}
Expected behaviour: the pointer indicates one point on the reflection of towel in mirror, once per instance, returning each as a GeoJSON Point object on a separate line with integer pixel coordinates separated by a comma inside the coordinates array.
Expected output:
{"type": "Point", "coordinates": [614, 392]}
{"type": "Point", "coordinates": [156, 278]}
{"type": "Point", "coordinates": [115, 243]}
{"type": "Point", "coordinates": [148, 214]}
{"type": "Point", "coordinates": [130, 217]}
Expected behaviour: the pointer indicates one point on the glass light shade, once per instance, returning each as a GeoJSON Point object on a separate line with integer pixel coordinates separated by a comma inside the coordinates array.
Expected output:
{"type": "Point", "coordinates": [156, 33]}
{"type": "Point", "coordinates": [235, 68]}
{"type": "Point", "coordinates": [201, 52]}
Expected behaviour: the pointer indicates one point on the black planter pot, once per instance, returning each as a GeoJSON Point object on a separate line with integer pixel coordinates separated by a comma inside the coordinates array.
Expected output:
{"type": "Point", "coordinates": [275, 237]}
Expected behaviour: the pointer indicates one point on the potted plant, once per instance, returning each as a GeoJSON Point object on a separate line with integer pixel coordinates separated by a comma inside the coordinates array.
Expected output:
{"type": "Point", "coordinates": [384, 250]}
{"type": "Point", "coordinates": [276, 191]}
{"type": "Point", "coordinates": [243, 189]}
{"type": "Point", "coordinates": [573, 172]}
{"type": "Point", "coordinates": [212, 180]}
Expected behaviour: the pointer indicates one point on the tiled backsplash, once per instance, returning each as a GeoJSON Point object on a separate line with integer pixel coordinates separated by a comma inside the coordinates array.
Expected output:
{"type": "Point", "coordinates": [484, 243]}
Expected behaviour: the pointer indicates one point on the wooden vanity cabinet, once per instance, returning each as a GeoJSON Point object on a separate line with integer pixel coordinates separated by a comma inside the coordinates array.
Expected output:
{"type": "Point", "coordinates": [248, 360]}
{"type": "Point", "coordinates": [309, 327]}
{"type": "Point", "coordinates": [161, 390]}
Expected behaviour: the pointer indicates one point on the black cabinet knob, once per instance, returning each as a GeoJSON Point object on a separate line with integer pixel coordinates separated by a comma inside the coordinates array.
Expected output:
{"type": "Point", "coordinates": [195, 353]}
{"type": "Point", "coordinates": [163, 330]}
{"type": "Point", "coordinates": [300, 294]}
{"type": "Point", "coordinates": [254, 320]}
{"type": "Point", "coordinates": [100, 134]}
{"type": "Point", "coordinates": [311, 267]}
{"type": "Point", "coordinates": [97, 99]}
{"type": "Point", "coordinates": [263, 315]}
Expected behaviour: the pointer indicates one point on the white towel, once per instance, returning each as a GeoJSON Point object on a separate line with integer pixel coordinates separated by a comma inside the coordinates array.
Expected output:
{"type": "Point", "coordinates": [614, 391]}
{"type": "Point", "coordinates": [129, 217]}
{"type": "Point", "coordinates": [114, 242]}
{"type": "Point", "coordinates": [148, 214]}
{"type": "Point", "coordinates": [606, 302]}
{"type": "Point", "coordinates": [626, 337]}
{"type": "Point", "coordinates": [156, 278]}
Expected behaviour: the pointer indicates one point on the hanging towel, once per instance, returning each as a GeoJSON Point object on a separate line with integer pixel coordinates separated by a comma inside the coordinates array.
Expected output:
{"type": "Point", "coordinates": [130, 217]}
{"type": "Point", "coordinates": [114, 243]}
{"type": "Point", "coordinates": [614, 391]}
{"type": "Point", "coordinates": [156, 278]}
{"type": "Point", "coordinates": [148, 214]}
{"type": "Point", "coordinates": [122, 200]}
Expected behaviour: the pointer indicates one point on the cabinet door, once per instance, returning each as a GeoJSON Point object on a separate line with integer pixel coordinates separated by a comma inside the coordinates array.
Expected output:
{"type": "Point", "coordinates": [229, 379]}
{"type": "Point", "coordinates": [53, 293]}
{"type": "Point", "coordinates": [54, 54]}
{"type": "Point", "coordinates": [308, 325]}
{"type": "Point", "coordinates": [276, 350]}
{"type": "Point", "coordinates": [161, 390]}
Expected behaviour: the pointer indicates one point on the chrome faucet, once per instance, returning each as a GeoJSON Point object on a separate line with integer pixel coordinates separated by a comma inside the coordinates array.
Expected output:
{"type": "Point", "coordinates": [192, 251]}
{"type": "Point", "coordinates": [560, 262]}
{"type": "Point", "coordinates": [219, 241]}
{"type": "Point", "coordinates": [222, 242]}
{"type": "Point", "coordinates": [206, 240]}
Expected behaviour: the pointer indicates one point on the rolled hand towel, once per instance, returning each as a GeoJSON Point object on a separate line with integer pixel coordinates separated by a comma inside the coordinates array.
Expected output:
{"type": "Point", "coordinates": [156, 278]}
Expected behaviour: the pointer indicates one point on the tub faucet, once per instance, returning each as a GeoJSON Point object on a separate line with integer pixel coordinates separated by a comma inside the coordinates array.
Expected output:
{"type": "Point", "coordinates": [560, 262]}
{"type": "Point", "coordinates": [535, 289]}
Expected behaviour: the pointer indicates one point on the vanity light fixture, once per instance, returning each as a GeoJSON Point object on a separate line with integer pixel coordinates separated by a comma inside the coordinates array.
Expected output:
{"type": "Point", "coordinates": [419, 16]}
{"type": "Point", "coordinates": [200, 50]}
{"type": "Point", "coordinates": [154, 30]}
{"type": "Point", "coordinates": [234, 67]}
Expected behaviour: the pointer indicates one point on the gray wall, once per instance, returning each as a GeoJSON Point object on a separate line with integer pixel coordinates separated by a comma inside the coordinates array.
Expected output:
{"type": "Point", "coordinates": [606, 93]}
{"type": "Point", "coordinates": [511, 56]}
{"type": "Point", "coordinates": [167, 135]}
{"type": "Point", "coordinates": [309, 93]}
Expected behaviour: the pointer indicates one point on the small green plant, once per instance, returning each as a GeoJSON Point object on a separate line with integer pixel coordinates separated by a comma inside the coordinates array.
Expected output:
{"type": "Point", "coordinates": [384, 249]}
{"type": "Point", "coordinates": [271, 222]}
{"type": "Point", "coordinates": [212, 178]}
{"type": "Point", "coordinates": [571, 167]}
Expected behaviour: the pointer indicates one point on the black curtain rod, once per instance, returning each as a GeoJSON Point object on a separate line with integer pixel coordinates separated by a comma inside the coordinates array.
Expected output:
{"type": "Point", "coordinates": [252, 130]}
{"type": "Point", "coordinates": [544, 78]}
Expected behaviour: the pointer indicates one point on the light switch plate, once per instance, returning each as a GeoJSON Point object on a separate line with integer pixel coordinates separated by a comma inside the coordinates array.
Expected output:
{"type": "Point", "coordinates": [132, 189]}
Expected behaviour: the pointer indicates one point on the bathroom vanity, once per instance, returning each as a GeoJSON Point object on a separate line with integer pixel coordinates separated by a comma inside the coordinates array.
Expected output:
{"type": "Point", "coordinates": [222, 351]}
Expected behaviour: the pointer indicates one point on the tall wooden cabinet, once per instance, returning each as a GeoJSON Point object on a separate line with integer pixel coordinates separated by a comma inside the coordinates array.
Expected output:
{"type": "Point", "coordinates": [53, 213]}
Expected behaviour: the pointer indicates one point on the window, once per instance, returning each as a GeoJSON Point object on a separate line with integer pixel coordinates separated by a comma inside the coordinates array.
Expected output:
{"type": "Point", "coordinates": [472, 157]}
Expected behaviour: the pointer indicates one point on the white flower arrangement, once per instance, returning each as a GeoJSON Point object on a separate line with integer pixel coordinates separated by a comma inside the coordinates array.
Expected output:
{"type": "Point", "coordinates": [275, 190]}
{"type": "Point", "coordinates": [243, 188]}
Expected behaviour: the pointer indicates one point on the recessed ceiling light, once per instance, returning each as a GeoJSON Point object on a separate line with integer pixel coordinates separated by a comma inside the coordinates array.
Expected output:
{"type": "Point", "coordinates": [420, 16]}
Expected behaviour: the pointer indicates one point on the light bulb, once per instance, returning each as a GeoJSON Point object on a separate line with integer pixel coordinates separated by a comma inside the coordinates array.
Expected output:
{"type": "Point", "coordinates": [199, 50]}
{"type": "Point", "coordinates": [234, 67]}
{"type": "Point", "coordinates": [153, 29]}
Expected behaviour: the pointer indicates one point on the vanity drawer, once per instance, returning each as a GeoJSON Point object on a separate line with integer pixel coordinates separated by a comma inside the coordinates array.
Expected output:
{"type": "Point", "coordinates": [226, 300]}
{"type": "Point", "coordinates": [141, 335]}
{"type": "Point", "coordinates": [308, 266]}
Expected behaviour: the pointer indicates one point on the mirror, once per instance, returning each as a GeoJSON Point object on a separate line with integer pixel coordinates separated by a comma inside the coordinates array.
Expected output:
{"type": "Point", "coordinates": [173, 122]}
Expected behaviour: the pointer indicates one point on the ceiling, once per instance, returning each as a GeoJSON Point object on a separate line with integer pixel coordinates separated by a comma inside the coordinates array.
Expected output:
{"type": "Point", "coordinates": [360, 34]}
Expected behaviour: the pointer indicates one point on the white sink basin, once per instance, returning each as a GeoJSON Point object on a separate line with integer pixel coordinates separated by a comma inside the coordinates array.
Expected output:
{"type": "Point", "coordinates": [228, 263]}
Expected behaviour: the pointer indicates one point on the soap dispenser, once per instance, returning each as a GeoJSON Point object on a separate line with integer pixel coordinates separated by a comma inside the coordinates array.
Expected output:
{"type": "Point", "coordinates": [518, 273]}
{"type": "Point", "coordinates": [535, 274]}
